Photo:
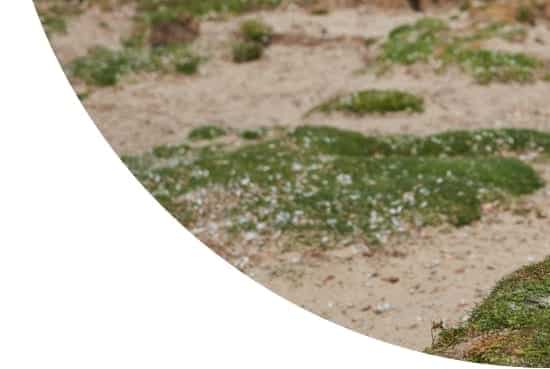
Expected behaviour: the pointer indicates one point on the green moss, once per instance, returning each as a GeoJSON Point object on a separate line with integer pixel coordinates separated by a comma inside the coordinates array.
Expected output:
{"type": "Point", "coordinates": [246, 51]}
{"type": "Point", "coordinates": [431, 40]}
{"type": "Point", "coordinates": [487, 65]}
{"type": "Point", "coordinates": [374, 101]}
{"type": "Point", "coordinates": [53, 24]}
{"type": "Point", "coordinates": [202, 7]}
{"type": "Point", "coordinates": [105, 67]}
{"type": "Point", "coordinates": [54, 15]}
{"type": "Point", "coordinates": [511, 326]}
{"type": "Point", "coordinates": [256, 31]}
{"type": "Point", "coordinates": [412, 43]}
{"type": "Point", "coordinates": [166, 151]}
{"type": "Point", "coordinates": [253, 134]}
{"type": "Point", "coordinates": [336, 183]}
{"type": "Point", "coordinates": [206, 133]}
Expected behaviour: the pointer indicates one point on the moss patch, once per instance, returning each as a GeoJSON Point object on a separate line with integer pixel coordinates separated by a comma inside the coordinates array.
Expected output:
{"type": "Point", "coordinates": [104, 67]}
{"type": "Point", "coordinates": [430, 40]}
{"type": "Point", "coordinates": [374, 101]}
{"type": "Point", "coordinates": [338, 183]}
{"type": "Point", "coordinates": [510, 327]}
{"type": "Point", "coordinates": [54, 15]}
{"type": "Point", "coordinates": [202, 7]}
{"type": "Point", "coordinates": [206, 133]}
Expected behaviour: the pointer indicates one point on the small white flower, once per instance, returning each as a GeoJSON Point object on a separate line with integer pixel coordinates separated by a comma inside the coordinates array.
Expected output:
{"type": "Point", "coordinates": [282, 217]}
{"type": "Point", "coordinates": [344, 179]}
{"type": "Point", "coordinates": [296, 167]}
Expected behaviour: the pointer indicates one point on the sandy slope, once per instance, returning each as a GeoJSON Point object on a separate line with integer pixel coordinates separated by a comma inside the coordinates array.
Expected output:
{"type": "Point", "coordinates": [441, 273]}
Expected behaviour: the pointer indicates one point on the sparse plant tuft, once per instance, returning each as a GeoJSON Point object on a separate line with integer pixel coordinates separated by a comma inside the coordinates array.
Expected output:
{"type": "Point", "coordinates": [105, 67]}
{"type": "Point", "coordinates": [374, 101]}
{"type": "Point", "coordinates": [247, 51]}
{"type": "Point", "coordinates": [256, 31]}
{"type": "Point", "coordinates": [208, 132]}
{"type": "Point", "coordinates": [430, 40]}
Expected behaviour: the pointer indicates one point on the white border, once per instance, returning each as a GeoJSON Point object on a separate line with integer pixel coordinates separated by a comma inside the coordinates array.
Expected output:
{"type": "Point", "coordinates": [95, 274]}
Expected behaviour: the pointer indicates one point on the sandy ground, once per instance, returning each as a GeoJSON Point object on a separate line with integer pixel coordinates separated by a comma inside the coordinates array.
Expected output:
{"type": "Point", "coordinates": [395, 294]}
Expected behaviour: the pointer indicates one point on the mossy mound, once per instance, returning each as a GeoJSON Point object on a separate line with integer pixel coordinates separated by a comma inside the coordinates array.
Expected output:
{"type": "Point", "coordinates": [374, 101]}
{"type": "Point", "coordinates": [337, 182]}
{"type": "Point", "coordinates": [510, 327]}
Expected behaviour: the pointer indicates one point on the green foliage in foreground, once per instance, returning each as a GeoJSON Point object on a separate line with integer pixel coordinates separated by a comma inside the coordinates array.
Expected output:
{"type": "Point", "coordinates": [511, 326]}
{"type": "Point", "coordinates": [374, 101]}
{"type": "Point", "coordinates": [104, 67]}
{"type": "Point", "coordinates": [431, 40]}
{"type": "Point", "coordinates": [338, 182]}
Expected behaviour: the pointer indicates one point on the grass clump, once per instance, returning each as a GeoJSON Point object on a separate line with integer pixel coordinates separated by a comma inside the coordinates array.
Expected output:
{"type": "Point", "coordinates": [247, 51]}
{"type": "Point", "coordinates": [511, 326]}
{"type": "Point", "coordinates": [104, 67]}
{"type": "Point", "coordinates": [206, 133]}
{"type": "Point", "coordinates": [412, 43]}
{"type": "Point", "coordinates": [339, 183]}
{"type": "Point", "coordinates": [253, 134]}
{"type": "Point", "coordinates": [54, 14]}
{"type": "Point", "coordinates": [203, 7]}
{"type": "Point", "coordinates": [430, 40]}
{"type": "Point", "coordinates": [255, 36]}
{"type": "Point", "coordinates": [487, 65]}
{"type": "Point", "coordinates": [256, 31]}
{"type": "Point", "coordinates": [374, 101]}
{"type": "Point", "coordinates": [53, 23]}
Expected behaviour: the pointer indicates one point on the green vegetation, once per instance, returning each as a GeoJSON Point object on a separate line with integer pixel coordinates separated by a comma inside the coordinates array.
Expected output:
{"type": "Point", "coordinates": [488, 65]}
{"type": "Point", "coordinates": [336, 183]}
{"type": "Point", "coordinates": [374, 101]}
{"type": "Point", "coordinates": [525, 14]}
{"type": "Point", "coordinates": [206, 133]}
{"type": "Point", "coordinates": [53, 23]}
{"type": "Point", "coordinates": [431, 40]}
{"type": "Point", "coordinates": [54, 14]}
{"type": "Point", "coordinates": [255, 35]}
{"type": "Point", "coordinates": [510, 327]}
{"type": "Point", "coordinates": [253, 134]}
{"type": "Point", "coordinates": [256, 31]}
{"type": "Point", "coordinates": [104, 67]}
{"type": "Point", "coordinates": [203, 7]}
{"type": "Point", "coordinates": [412, 43]}
{"type": "Point", "coordinates": [246, 51]}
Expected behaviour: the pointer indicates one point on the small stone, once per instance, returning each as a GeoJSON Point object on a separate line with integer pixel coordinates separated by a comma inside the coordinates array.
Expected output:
{"type": "Point", "coordinates": [382, 308]}
{"type": "Point", "coordinates": [328, 279]}
{"type": "Point", "coordinates": [391, 280]}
